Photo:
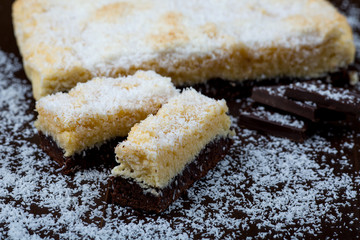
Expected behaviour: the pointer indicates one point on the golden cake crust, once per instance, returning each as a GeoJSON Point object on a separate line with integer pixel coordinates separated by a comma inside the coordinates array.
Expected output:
{"type": "Point", "coordinates": [191, 41]}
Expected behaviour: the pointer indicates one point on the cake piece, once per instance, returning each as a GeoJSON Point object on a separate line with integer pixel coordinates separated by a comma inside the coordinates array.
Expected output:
{"type": "Point", "coordinates": [101, 109]}
{"type": "Point", "coordinates": [166, 153]}
{"type": "Point", "coordinates": [64, 42]}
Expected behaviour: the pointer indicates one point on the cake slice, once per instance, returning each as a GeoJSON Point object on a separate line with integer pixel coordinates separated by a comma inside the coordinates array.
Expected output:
{"type": "Point", "coordinates": [99, 110]}
{"type": "Point", "coordinates": [167, 152]}
{"type": "Point", "coordinates": [64, 42]}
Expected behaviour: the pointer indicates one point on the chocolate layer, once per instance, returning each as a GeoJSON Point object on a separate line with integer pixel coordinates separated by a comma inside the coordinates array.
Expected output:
{"type": "Point", "coordinates": [86, 159]}
{"type": "Point", "coordinates": [128, 192]}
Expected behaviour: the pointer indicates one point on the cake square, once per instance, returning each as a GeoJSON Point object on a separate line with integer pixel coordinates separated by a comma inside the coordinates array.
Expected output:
{"type": "Point", "coordinates": [101, 109]}
{"type": "Point", "coordinates": [161, 156]}
{"type": "Point", "coordinates": [63, 43]}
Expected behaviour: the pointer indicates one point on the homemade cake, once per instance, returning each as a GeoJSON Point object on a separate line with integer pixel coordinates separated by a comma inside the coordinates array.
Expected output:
{"type": "Point", "coordinates": [101, 109]}
{"type": "Point", "coordinates": [63, 42]}
{"type": "Point", "coordinates": [166, 153]}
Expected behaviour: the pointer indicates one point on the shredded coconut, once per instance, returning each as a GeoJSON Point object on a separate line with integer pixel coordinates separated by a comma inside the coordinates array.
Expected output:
{"type": "Point", "coordinates": [329, 92]}
{"type": "Point", "coordinates": [243, 39]}
{"type": "Point", "coordinates": [280, 91]}
{"type": "Point", "coordinates": [105, 96]}
{"type": "Point", "coordinates": [263, 192]}
{"type": "Point", "coordinates": [259, 24]}
{"type": "Point", "coordinates": [282, 119]}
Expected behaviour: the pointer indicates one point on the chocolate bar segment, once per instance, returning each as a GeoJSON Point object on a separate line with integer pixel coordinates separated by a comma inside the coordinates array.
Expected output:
{"type": "Point", "coordinates": [326, 96]}
{"type": "Point", "coordinates": [275, 97]}
{"type": "Point", "coordinates": [278, 124]}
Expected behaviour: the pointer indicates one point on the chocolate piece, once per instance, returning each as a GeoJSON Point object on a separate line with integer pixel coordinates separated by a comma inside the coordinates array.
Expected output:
{"type": "Point", "coordinates": [278, 124]}
{"type": "Point", "coordinates": [127, 192]}
{"type": "Point", "coordinates": [86, 159]}
{"type": "Point", "coordinates": [326, 96]}
{"type": "Point", "coordinates": [274, 96]}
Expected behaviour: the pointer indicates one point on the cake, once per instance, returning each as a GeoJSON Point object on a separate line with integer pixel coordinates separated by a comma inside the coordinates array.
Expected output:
{"type": "Point", "coordinates": [64, 43]}
{"type": "Point", "coordinates": [167, 152]}
{"type": "Point", "coordinates": [100, 110]}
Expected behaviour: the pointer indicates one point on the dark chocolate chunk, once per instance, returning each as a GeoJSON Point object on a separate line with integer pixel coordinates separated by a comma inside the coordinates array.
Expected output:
{"type": "Point", "coordinates": [278, 124]}
{"type": "Point", "coordinates": [326, 96]}
{"type": "Point", "coordinates": [127, 192]}
{"type": "Point", "coordinates": [274, 96]}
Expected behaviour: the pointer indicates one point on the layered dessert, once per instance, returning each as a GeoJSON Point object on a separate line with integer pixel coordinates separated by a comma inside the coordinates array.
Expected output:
{"type": "Point", "coordinates": [98, 111]}
{"type": "Point", "coordinates": [191, 42]}
{"type": "Point", "coordinates": [167, 152]}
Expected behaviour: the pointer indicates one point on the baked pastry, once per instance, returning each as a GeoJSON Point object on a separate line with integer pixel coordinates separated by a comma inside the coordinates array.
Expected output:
{"type": "Point", "coordinates": [101, 109]}
{"type": "Point", "coordinates": [63, 43]}
{"type": "Point", "coordinates": [166, 153]}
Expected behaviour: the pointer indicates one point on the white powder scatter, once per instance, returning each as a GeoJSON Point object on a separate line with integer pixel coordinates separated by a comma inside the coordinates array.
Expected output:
{"type": "Point", "coordinates": [279, 91]}
{"type": "Point", "coordinates": [343, 96]}
{"type": "Point", "coordinates": [282, 119]}
{"type": "Point", "coordinates": [262, 192]}
{"type": "Point", "coordinates": [273, 188]}
{"type": "Point", "coordinates": [106, 96]}
{"type": "Point", "coordinates": [255, 25]}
